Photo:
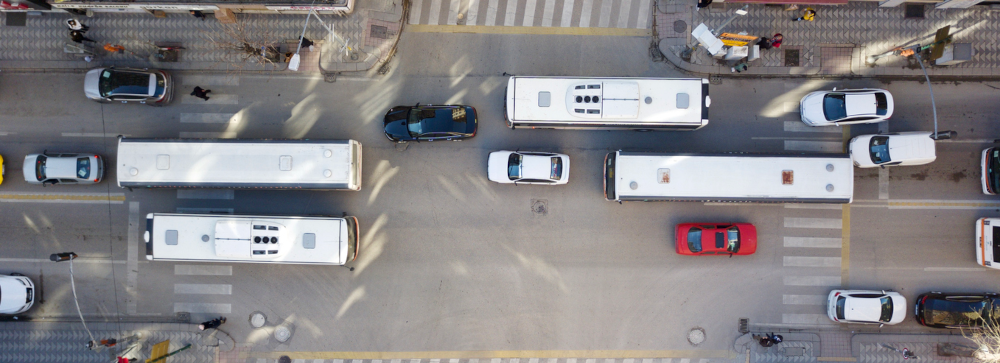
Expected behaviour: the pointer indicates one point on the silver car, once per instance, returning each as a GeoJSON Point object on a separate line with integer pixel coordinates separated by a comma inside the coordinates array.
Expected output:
{"type": "Point", "coordinates": [149, 86]}
{"type": "Point", "coordinates": [48, 168]}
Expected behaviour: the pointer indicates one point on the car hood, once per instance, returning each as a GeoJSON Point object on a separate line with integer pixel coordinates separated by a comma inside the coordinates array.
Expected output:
{"type": "Point", "coordinates": [28, 168]}
{"type": "Point", "coordinates": [90, 83]}
{"type": "Point", "coordinates": [395, 123]}
{"type": "Point", "coordinates": [12, 295]}
{"type": "Point", "coordinates": [812, 109]}
{"type": "Point", "coordinates": [496, 167]}
{"type": "Point", "coordinates": [898, 308]}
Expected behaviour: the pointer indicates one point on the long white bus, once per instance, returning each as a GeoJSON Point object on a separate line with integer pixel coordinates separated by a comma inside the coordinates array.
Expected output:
{"type": "Point", "coordinates": [607, 103]}
{"type": "Point", "coordinates": [266, 239]}
{"type": "Point", "coordinates": [239, 163]}
{"type": "Point", "coordinates": [779, 178]}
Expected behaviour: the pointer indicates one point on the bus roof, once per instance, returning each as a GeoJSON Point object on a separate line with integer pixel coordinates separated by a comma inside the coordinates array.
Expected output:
{"type": "Point", "coordinates": [764, 178]}
{"type": "Point", "coordinates": [204, 237]}
{"type": "Point", "coordinates": [237, 163]}
{"type": "Point", "coordinates": [627, 100]}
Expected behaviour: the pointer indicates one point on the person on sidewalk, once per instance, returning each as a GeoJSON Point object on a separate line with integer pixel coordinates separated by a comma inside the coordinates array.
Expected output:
{"type": "Point", "coordinates": [809, 15]}
{"type": "Point", "coordinates": [117, 48]}
{"type": "Point", "coordinates": [74, 24]}
{"type": "Point", "coordinates": [77, 36]}
{"type": "Point", "coordinates": [740, 68]}
{"type": "Point", "coordinates": [104, 343]}
{"type": "Point", "coordinates": [704, 3]}
{"type": "Point", "coordinates": [198, 14]}
{"type": "Point", "coordinates": [775, 338]}
{"type": "Point", "coordinates": [772, 42]}
{"type": "Point", "coordinates": [203, 94]}
{"type": "Point", "coordinates": [306, 43]}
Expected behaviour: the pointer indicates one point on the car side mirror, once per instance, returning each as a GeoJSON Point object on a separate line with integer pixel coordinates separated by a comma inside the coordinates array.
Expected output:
{"type": "Point", "coordinates": [882, 166]}
{"type": "Point", "coordinates": [730, 255]}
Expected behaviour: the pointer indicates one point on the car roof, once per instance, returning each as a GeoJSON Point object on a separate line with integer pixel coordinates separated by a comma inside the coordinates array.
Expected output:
{"type": "Point", "coordinates": [445, 119]}
{"type": "Point", "coordinates": [862, 308]}
{"type": "Point", "coordinates": [859, 104]}
{"type": "Point", "coordinates": [536, 167]}
{"type": "Point", "coordinates": [61, 167]}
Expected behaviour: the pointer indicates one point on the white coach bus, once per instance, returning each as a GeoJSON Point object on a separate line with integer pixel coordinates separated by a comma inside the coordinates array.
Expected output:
{"type": "Point", "coordinates": [643, 104]}
{"type": "Point", "coordinates": [266, 239]}
{"type": "Point", "coordinates": [792, 178]}
{"type": "Point", "coordinates": [239, 163]}
{"type": "Point", "coordinates": [988, 242]}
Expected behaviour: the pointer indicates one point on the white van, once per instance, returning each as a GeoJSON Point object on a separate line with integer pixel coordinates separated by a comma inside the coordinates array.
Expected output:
{"type": "Point", "coordinates": [17, 294]}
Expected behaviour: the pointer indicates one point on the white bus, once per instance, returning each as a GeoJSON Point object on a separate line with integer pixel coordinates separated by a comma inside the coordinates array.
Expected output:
{"type": "Point", "coordinates": [607, 103]}
{"type": "Point", "coordinates": [988, 242]}
{"type": "Point", "coordinates": [266, 239]}
{"type": "Point", "coordinates": [779, 178]}
{"type": "Point", "coordinates": [239, 163]}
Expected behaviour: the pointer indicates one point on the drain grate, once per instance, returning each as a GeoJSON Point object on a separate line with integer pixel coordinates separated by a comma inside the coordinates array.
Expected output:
{"type": "Point", "coordinates": [791, 57]}
{"type": "Point", "coordinates": [914, 11]}
{"type": "Point", "coordinates": [380, 32]}
{"type": "Point", "coordinates": [744, 325]}
{"type": "Point", "coordinates": [540, 207]}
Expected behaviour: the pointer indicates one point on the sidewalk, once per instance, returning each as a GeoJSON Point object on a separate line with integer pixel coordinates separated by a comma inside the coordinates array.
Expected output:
{"type": "Point", "coordinates": [837, 43]}
{"type": "Point", "coordinates": [41, 341]}
{"type": "Point", "coordinates": [371, 30]}
{"type": "Point", "coordinates": [847, 346]}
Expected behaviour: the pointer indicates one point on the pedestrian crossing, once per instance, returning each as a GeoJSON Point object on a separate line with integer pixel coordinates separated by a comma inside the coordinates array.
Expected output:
{"type": "Point", "coordinates": [811, 262]}
{"type": "Point", "coordinates": [625, 14]}
{"type": "Point", "coordinates": [202, 298]}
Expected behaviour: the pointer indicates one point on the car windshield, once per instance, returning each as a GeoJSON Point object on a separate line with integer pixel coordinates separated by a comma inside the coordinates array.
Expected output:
{"type": "Point", "coordinates": [83, 168]}
{"type": "Point", "coordinates": [881, 104]}
{"type": "Point", "coordinates": [694, 239]}
{"type": "Point", "coordinates": [886, 309]}
{"type": "Point", "coordinates": [556, 173]}
{"type": "Point", "coordinates": [955, 312]}
{"type": "Point", "coordinates": [123, 83]}
{"type": "Point", "coordinates": [879, 149]}
{"type": "Point", "coordinates": [733, 237]}
{"type": "Point", "coordinates": [40, 167]}
{"type": "Point", "coordinates": [993, 169]}
{"type": "Point", "coordinates": [514, 166]}
{"type": "Point", "coordinates": [834, 106]}
{"type": "Point", "coordinates": [841, 304]}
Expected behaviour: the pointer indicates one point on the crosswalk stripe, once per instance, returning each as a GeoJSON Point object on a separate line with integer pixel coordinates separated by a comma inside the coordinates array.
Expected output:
{"type": "Point", "coordinates": [548, 12]}
{"type": "Point", "coordinates": [829, 281]}
{"type": "Point", "coordinates": [208, 135]}
{"type": "Point", "coordinates": [453, 10]}
{"type": "Point", "coordinates": [803, 299]}
{"type": "Point", "coordinates": [813, 242]}
{"type": "Point", "coordinates": [511, 14]}
{"type": "Point", "coordinates": [804, 261]}
{"type": "Point", "coordinates": [491, 12]}
{"type": "Point", "coordinates": [435, 12]}
{"type": "Point", "coordinates": [799, 126]}
{"type": "Point", "coordinates": [811, 319]}
{"type": "Point", "coordinates": [817, 146]}
{"type": "Point", "coordinates": [213, 99]}
{"type": "Point", "coordinates": [203, 270]}
{"type": "Point", "coordinates": [198, 80]}
{"type": "Point", "coordinates": [644, 10]}
{"type": "Point", "coordinates": [416, 6]}
{"type": "Point", "coordinates": [471, 16]}
{"type": "Point", "coordinates": [813, 206]}
{"type": "Point", "coordinates": [203, 308]}
{"type": "Point", "coordinates": [529, 13]}
{"type": "Point", "coordinates": [205, 194]}
{"type": "Point", "coordinates": [588, 7]}
{"type": "Point", "coordinates": [830, 223]}
{"type": "Point", "coordinates": [203, 289]}
{"type": "Point", "coordinates": [206, 118]}
{"type": "Point", "coordinates": [623, 14]}
{"type": "Point", "coordinates": [567, 14]}
{"type": "Point", "coordinates": [605, 15]}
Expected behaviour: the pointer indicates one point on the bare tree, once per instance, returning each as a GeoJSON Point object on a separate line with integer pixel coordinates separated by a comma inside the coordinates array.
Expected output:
{"type": "Point", "coordinates": [987, 340]}
{"type": "Point", "coordinates": [250, 43]}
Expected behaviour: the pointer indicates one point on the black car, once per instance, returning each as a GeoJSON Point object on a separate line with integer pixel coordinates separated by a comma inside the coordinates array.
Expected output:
{"type": "Point", "coordinates": [955, 310]}
{"type": "Point", "coordinates": [430, 122]}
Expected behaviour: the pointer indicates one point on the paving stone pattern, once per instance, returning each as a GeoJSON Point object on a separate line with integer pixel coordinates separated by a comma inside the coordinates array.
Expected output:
{"type": "Point", "coordinates": [66, 342]}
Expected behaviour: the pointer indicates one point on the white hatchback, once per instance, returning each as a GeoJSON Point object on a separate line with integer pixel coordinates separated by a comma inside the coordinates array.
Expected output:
{"type": "Point", "coordinates": [866, 307]}
{"type": "Point", "coordinates": [519, 167]}
{"type": "Point", "coordinates": [903, 148]}
{"type": "Point", "coordinates": [845, 107]}
{"type": "Point", "coordinates": [63, 168]}
{"type": "Point", "coordinates": [17, 294]}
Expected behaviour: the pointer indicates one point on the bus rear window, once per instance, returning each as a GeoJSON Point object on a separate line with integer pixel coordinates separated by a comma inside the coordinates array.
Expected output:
{"type": "Point", "coordinates": [609, 176]}
{"type": "Point", "coordinates": [996, 244]}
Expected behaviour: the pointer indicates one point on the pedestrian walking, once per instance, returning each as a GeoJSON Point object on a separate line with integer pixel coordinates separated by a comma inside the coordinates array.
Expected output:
{"type": "Point", "coordinates": [203, 94]}
{"type": "Point", "coordinates": [775, 338]}
{"type": "Point", "coordinates": [739, 67]}
{"type": "Point", "coordinates": [116, 48]}
{"type": "Point", "coordinates": [74, 24]}
{"type": "Point", "coordinates": [306, 43]}
{"type": "Point", "coordinates": [214, 323]}
{"type": "Point", "coordinates": [77, 36]}
{"type": "Point", "coordinates": [808, 15]}
{"type": "Point", "coordinates": [772, 42]}
{"type": "Point", "coordinates": [198, 14]}
{"type": "Point", "coordinates": [704, 3]}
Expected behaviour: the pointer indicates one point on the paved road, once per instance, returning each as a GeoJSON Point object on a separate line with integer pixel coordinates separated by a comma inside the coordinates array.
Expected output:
{"type": "Point", "coordinates": [450, 261]}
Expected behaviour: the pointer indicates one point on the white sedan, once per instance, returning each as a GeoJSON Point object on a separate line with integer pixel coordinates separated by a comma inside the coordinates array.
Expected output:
{"type": "Point", "coordinates": [866, 307]}
{"type": "Point", "coordinates": [519, 167]}
{"type": "Point", "coordinates": [903, 148]}
{"type": "Point", "coordinates": [845, 107]}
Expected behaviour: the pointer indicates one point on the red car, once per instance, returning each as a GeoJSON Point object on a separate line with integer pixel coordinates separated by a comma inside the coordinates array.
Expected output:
{"type": "Point", "coordinates": [716, 239]}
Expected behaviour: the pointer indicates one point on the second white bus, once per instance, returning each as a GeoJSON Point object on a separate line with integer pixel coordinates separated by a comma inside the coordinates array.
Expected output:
{"type": "Point", "coordinates": [777, 178]}
{"type": "Point", "coordinates": [643, 104]}
{"type": "Point", "coordinates": [269, 239]}
{"type": "Point", "coordinates": [239, 163]}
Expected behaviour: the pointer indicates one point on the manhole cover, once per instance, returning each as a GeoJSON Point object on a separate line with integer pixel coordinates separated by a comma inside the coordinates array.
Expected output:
{"type": "Point", "coordinates": [540, 207]}
{"type": "Point", "coordinates": [284, 359]}
{"type": "Point", "coordinates": [914, 11]}
{"type": "Point", "coordinates": [680, 26]}
{"type": "Point", "coordinates": [257, 319]}
{"type": "Point", "coordinates": [282, 333]}
{"type": "Point", "coordinates": [380, 32]}
{"type": "Point", "coordinates": [791, 57]}
{"type": "Point", "coordinates": [696, 336]}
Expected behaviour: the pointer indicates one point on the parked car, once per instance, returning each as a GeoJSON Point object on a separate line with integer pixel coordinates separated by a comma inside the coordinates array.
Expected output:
{"type": "Point", "coordinates": [866, 307]}
{"type": "Point", "coordinates": [17, 294]}
{"type": "Point", "coordinates": [149, 86]}
{"type": "Point", "coordinates": [902, 148]}
{"type": "Point", "coordinates": [716, 239]}
{"type": "Point", "coordinates": [957, 310]}
{"type": "Point", "coordinates": [430, 123]}
{"type": "Point", "coordinates": [845, 107]}
{"type": "Point", "coordinates": [63, 168]}
{"type": "Point", "coordinates": [519, 167]}
{"type": "Point", "coordinates": [990, 164]}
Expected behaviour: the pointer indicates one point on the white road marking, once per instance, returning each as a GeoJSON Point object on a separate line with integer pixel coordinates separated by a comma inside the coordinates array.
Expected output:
{"type": "Point", "coordinates": [208, 135]}
{"type": "Point", "coordinates": [605, 19]}
{"type": "Point", "coordinates": [203, 270]}
{"type": "Point", "coordinates": [624, 11]}
{"type": "Point", "coordinates": [199, 80]}
{"type": "Point", "coordinates": [818, 146]}
{"type": "Point", "coordinates": [799, 126]}
{"type": "Point", "coordinates": [435, 12]}
{"type": "Point", "coordinates": [529, 13]}
{"type": "Point", "coordinates": [803, 299]}
{"type": "Point", "coordinates": [76, 260]}
{"type": "Point", "coordinates": [956, 269]}
{"type": "Point", "coordinates": [813, 206]}
{"type": "Point", "coordinates": [803, 261]}
{"type": "Point", "coordinates": [813, 242]}
{"type": "Point", "coordinates": [132, 258]}
{"type": "Point", "coordinates": [509, 17]}
{"type": "Point", "coordinates": [453, 9]}
{"type": "Point", "coordinates": [471, 16]}
{"type": "Point", "coordinates": [203, 308]}
{"type": "Point", "coordinates": [4, 133]}
{"type": "Point", "coordinates": [567, 14]}
{"type": "Point", "coordinates": [970, 141]}
{"type": "Point", "coordinates": [491, 13]}
{"type": "Point", "coordinates": [809, 319]}
{"type": "Point", "coordinates": [89, 134]}
{"type": "Point", "coordinates": [205, 194]}
{"type": "Point", "coordinates": [206, 118]}
{"type": "Point", "coordinates": [883, 183]}
{"type": "Point", "coordinates": [213, 99]}
{"type": "Point", "coordinates": [416, 6]}
{"type": "Point", "coordinates": [828, 281]}
{"type": "Point", "coordinates": [644, 11]}
{"type": "Point", "coordinates": [831, 223]}
{"type": "Point", "coordinates": [203, 289]}
{"type": "Point", "coordinates": [548, 11]}
{"type": "Point", "coordinates": [588, 7]}
{"type": "Point", "coordinates": [205, 210]}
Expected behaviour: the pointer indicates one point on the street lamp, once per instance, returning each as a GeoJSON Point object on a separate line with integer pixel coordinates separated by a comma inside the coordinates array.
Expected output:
{"type": "Point", "coordinates": [70, 256]}
{"type": "Point", "coordinates": [293, 63]}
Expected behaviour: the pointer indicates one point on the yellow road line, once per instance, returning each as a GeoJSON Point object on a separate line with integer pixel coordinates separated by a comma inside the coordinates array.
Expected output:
{"type": "Point", "coordinates": [845, 248]}
{"type": "Point", "coordinates": [57, 197]}
{"type": "Point", "coordinates": [542, 30]}
{"type": "Point", "coordinates": [489, 354]}
{"type": "Point", "coordinates": [944, 204]}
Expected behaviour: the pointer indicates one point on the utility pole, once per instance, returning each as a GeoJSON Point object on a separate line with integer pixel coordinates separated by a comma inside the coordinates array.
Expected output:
{"type": "Point", "coordinates": [70, 256]}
